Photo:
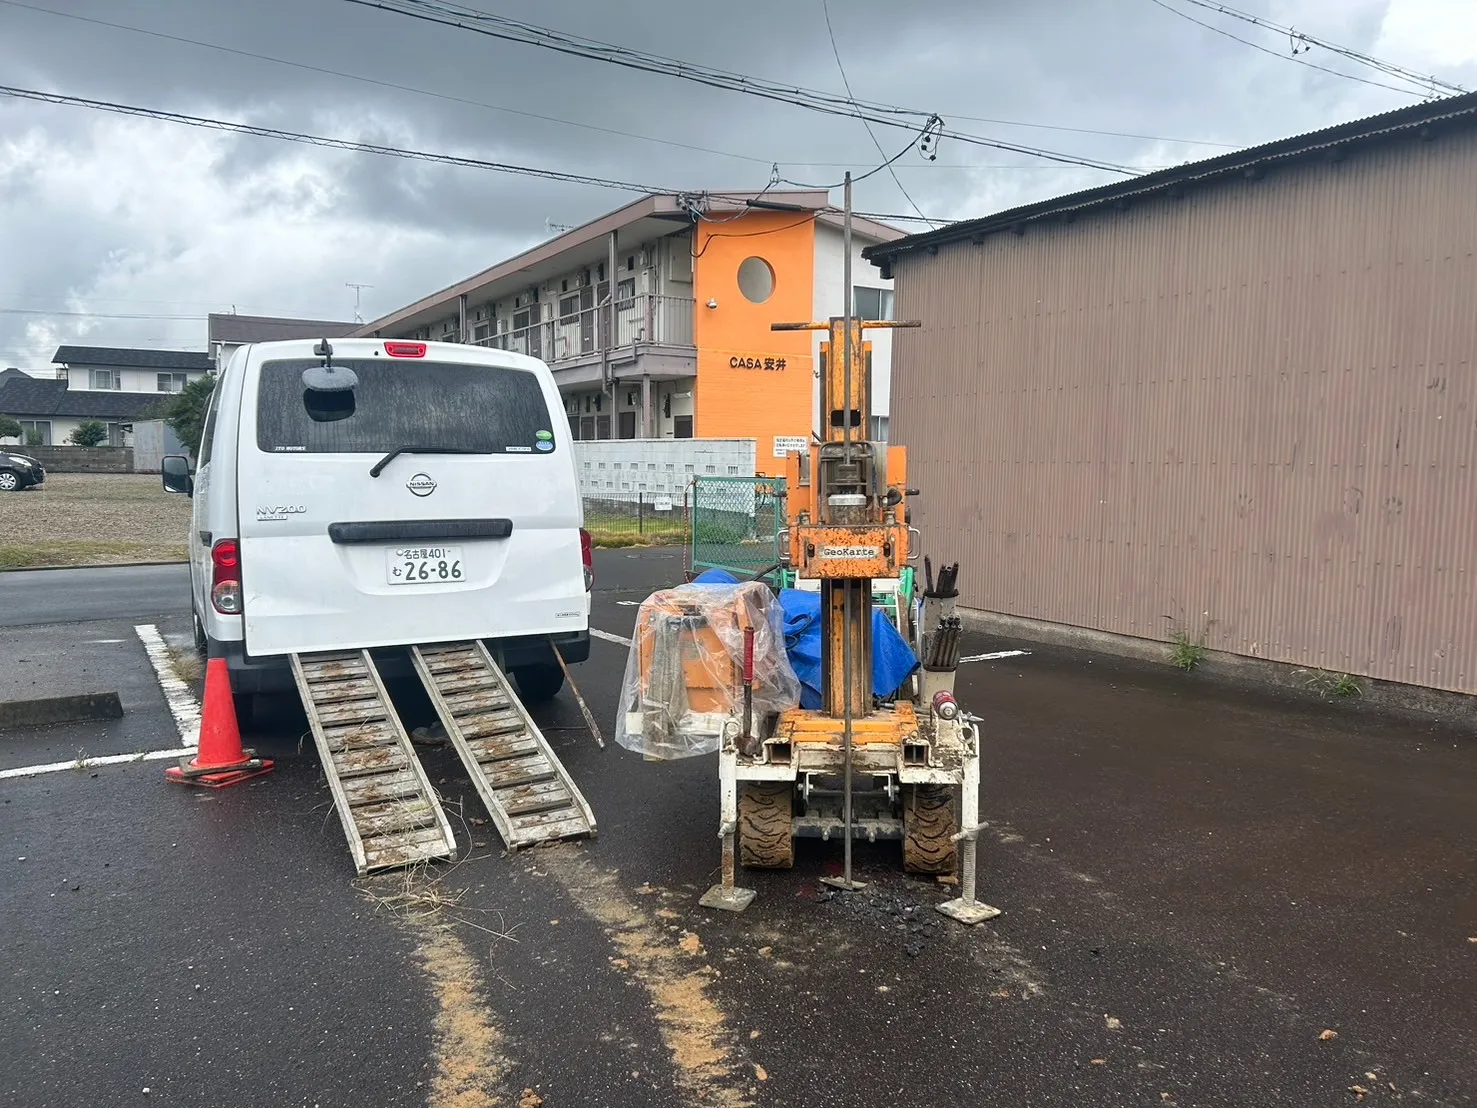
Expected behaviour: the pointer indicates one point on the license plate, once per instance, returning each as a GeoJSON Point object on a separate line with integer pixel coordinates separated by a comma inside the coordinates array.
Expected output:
{"type": "Point", "coordinates": [424, 565]}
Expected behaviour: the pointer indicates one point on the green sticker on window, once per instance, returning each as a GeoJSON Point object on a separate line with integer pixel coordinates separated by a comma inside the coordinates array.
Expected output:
{"type": "Point", "coordinates": [545, 435]}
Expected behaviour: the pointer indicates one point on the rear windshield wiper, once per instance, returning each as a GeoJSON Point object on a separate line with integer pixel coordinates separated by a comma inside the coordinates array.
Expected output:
{"type": "Point", "coordinates": [379, 466]}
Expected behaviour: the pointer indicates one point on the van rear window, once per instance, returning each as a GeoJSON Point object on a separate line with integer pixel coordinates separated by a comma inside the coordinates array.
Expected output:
{"type": "Point", "coordinates": [486, 409]}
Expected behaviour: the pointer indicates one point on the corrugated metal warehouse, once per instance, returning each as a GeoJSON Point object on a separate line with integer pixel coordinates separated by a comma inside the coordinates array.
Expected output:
{"type": "Point", "coordinates": [1234, 399]}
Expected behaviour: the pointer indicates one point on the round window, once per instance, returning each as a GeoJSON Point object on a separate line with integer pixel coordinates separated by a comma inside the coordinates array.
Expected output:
{"type": "Point", "coordinates": [755, 280]}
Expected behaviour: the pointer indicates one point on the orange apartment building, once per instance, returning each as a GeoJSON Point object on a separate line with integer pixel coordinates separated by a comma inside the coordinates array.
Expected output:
{"type": "Point", "coordinates": [680, 346]}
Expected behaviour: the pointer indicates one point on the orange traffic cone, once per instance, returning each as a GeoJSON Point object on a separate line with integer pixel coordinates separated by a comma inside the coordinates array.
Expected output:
{"type": "Point", "coordinates": [220, 759]}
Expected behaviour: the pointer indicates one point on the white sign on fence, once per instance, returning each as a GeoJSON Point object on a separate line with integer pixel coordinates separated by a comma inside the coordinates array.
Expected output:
{"type": "Point", "coordinates": [661, 504]}
{"type": "Point", "coordinates": [790, 444]}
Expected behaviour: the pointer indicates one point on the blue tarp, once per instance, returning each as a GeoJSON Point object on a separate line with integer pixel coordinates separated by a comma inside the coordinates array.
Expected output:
{"type": "Point", "coordinates": [892, 658]}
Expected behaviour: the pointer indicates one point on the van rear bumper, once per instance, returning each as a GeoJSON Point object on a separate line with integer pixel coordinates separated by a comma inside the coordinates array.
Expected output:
{"type": "Point", "coordinates": [251, 674]}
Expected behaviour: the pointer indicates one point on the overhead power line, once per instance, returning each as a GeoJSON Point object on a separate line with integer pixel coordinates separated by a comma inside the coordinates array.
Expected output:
{"type": "Point", "coordinates": [502, 108]}
{"type": "Point", "coordinates": [1299, 38]}
{"type": "Point", "coordinates": [97, 315]}
{"type": "Point", "coordinates": [383, 83]}
{"type": "Point", "coordinates": [1299, 43]}
{"type": "Point", "coordinates": [331, 143]}
{"type": "Point", "coordinates": [1093, 131]}
{"type": "Point", "coordinates": [919, 140]}
{"type": "Point", "coordinates": [846, 83]}
{"type": "Point", "coordinates": [694, 200]}
{"type": "Point", "coordinates": [461, 17]}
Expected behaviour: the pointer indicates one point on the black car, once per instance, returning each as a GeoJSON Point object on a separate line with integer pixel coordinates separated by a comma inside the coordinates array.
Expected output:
{"type": "Point", "coordinates": [19, 471]}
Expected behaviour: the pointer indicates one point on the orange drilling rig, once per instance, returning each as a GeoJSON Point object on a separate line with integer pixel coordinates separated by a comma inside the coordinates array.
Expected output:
{"type": "Point", "coordinates": [873, 764]}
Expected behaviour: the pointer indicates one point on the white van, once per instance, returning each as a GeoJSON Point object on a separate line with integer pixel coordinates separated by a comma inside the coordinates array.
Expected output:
{"type": "Point", "coordinates": [362, 493]}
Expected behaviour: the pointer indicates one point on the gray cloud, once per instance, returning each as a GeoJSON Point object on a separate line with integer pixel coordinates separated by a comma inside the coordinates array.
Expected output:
{"type": "Point", "coordinates": [101, 213]}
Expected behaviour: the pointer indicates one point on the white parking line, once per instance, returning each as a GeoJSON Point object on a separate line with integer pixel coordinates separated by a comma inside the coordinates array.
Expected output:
{"type": "Point", "coordinates": [992, 657]}
{"type": "Point", "coordinates": [182, 706]}
{"type": "Point", "coordinates": [182, 703]}
{"type": "Point", "coordinates": [104, 760]}
{"type": "Point", "coordinates": [608, 637]}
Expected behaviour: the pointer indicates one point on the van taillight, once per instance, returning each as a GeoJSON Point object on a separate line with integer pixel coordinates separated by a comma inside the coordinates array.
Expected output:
{"type": "Point", "coordinates": [587, 555]}
{"type": "Point", "coordinates": [225, 579]}
{"type": "Point", "coordinates": [405, 349]}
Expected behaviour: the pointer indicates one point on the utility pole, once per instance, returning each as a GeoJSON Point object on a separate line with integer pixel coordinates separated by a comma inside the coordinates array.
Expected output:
{"type": "Point", "coordinates": [358, 289]}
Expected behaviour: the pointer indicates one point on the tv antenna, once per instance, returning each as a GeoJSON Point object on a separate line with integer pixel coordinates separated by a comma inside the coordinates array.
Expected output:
{"type": "Point", "coordinates": [557, 228]}
{"type": "Point", "coordinates": [358, 290]}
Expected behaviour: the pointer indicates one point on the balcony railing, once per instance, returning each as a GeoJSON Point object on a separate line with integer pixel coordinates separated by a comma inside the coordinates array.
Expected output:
{"type": "Point", "coordinates": [644, 319]}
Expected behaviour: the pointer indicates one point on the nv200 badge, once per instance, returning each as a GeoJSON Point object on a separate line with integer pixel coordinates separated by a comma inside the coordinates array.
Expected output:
{"type": "Point", "coordinates": [274, 513]}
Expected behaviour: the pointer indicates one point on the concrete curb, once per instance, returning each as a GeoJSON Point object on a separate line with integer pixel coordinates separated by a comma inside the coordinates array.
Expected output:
{"type": "Point", "coordinates": [95, 565]}
{"type": "Point", "coordinates": [1221, 667]}
{"type": "Point", "coordinates": [60, 709]}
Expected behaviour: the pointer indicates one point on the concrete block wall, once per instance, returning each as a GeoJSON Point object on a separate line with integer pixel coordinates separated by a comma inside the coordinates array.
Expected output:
{"type": "Point", "coordinates": [82, 459]}
{"type": "Point", "coordinates": [622, 469]}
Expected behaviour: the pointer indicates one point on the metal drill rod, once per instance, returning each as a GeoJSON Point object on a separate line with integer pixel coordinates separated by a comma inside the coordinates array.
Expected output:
{"type": "Point", "coordinates": [846, 351]}
{"type": "Point", "coordinates": [846, 677]}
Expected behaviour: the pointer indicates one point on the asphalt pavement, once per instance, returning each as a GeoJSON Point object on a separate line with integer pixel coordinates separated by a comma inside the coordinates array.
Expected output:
{"type": "Point", "coordinates": [41, 596]}
{"type": "Point", "coordinates": [1210, 898]}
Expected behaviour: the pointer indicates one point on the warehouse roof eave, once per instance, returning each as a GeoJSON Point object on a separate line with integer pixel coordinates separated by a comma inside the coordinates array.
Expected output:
{"type": "Point", "coordinates": [1424, 121]}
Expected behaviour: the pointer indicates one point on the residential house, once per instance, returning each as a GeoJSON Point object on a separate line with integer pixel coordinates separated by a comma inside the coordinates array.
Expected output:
{"type": "Point", "coordinates": [50, 410]}
{"type": "Point", "coordinates": [655, 317]}
{"type": "Point", "coordinates": [227, 333]}
{"type": "Point", "coordinates": [122, 369]}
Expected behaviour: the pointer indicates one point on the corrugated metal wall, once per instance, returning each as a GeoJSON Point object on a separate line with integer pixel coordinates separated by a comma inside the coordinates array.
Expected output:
{"type": "Point", "coordinates": [1252, 408]}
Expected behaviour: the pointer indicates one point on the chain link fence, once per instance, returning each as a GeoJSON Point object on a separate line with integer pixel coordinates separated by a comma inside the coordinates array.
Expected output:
{"type": "Point", "coordinates": [734, 524]}
{"type": "Point", "coordinates": [616, 518]}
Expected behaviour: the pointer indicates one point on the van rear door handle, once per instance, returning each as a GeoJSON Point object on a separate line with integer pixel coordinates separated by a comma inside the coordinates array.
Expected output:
{"type": "Point", "coordinates": [419, 530]}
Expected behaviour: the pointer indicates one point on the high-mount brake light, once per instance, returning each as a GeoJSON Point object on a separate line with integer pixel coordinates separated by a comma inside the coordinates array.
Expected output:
{"type": "Point", "coordinates": [405, 349]}
{"type": "Point", "coordinates": [225, 581]}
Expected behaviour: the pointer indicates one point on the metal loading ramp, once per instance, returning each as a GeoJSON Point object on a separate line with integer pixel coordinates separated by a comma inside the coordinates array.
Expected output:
{"type": "Point", "coordinates": [526, 789]}
{"type": "Point", "coordinates": [390, 814]}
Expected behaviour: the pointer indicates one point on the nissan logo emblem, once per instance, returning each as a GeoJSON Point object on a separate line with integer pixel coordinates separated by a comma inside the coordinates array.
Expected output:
{"type": "Point", "coordinates": [421, 484]}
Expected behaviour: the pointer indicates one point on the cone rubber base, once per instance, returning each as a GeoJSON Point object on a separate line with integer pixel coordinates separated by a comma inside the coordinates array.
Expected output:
{"type": "Point", "coordinates": [218, 777]}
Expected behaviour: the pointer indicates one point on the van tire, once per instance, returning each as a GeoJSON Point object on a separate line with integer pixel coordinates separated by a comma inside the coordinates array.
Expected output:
{"type": "Point", "coordinates": [539, 683]}
{"type": "Point", "coordinates": [202, 645]}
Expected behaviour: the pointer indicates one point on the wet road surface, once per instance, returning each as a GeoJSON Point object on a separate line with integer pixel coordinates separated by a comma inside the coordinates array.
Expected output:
{"type": "Point", "coordinates": [42, 596]}
{"type": "Point", "coordinates": [1198, 884]}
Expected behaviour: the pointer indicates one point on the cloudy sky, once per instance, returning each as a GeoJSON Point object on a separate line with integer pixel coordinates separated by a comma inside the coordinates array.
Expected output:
{"type": "Point", "coordinates": [124, 231]}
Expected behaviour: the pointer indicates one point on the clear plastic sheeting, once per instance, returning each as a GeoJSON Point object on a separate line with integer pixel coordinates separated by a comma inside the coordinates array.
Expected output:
{"type": "Point", "coordinates": [684, 684]}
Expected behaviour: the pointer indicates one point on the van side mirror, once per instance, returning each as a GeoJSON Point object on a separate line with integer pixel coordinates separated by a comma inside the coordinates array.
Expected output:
{"type": "Point", "coordinates": [175, 471]}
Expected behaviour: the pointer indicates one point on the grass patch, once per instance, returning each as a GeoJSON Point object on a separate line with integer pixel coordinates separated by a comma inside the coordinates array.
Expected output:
{"type": "Point", "coordinates": [1185, 651]}
{"type": "Point", "coordinates": [621, 528]}
{"type": "Point", "coordinates": [187, 664]}
{"type": "Point", "coordinates": [1342, 685]}
{"type": "Point", "coordinates": [620, 538]}
{"type": "Point", "coordinates": [82, 552]}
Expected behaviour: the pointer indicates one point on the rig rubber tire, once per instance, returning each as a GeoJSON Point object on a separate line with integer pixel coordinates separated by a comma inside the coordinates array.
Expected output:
{"type": "Point", "coordinates": [766, 832]}
{"type": "Point", "coordinates": [929, 823]}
